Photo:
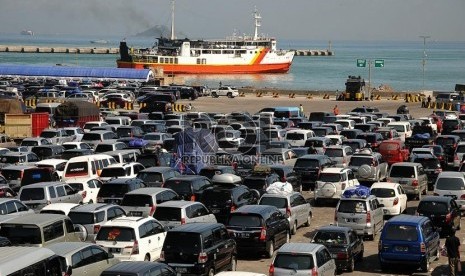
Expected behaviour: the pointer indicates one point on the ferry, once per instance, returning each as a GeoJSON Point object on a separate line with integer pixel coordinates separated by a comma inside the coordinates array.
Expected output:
{"type": "Point", "coordinates": [27, 32]}
{"type": "Point", "coordinates": [232, 55]}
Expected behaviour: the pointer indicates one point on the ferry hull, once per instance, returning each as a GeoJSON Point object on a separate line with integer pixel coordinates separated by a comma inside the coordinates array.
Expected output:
{"type": "Point", "coordinates": [209, 69]}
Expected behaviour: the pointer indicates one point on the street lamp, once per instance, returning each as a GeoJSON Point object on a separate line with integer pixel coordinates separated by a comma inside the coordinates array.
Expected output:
{"type": "Point", "coordinates": [424, 57]}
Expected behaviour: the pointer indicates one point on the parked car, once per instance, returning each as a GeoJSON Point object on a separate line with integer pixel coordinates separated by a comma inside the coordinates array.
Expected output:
{"type": "Point", "coordinates": [309, 166]}
{"type": "Point", "coordinates": [84, 258]}
{"type": "Point", "coordinates": [132, 238]}
{"type": "Point", "coordinates": [340, 155]}
{"type": "Point", "coordinates": [345, 246]}
{"type": "Point", "coordinates": [88, 218]}
{"type": "Point", "coordinates": [392, 196]}
{"type": "Point", "coordinates": [189, 249]}
{"type": "Point", "coordinates": [451, 184]}
{"type": "Point", "coordinates": [38, 195]}
{"type": "Point", "coordinates": [188, 187]}
{"type": "Point", "coordinates": [369, 166]}
{"type": "Point", "coordinates": [443, 211]}
{"type": "Point", "coordinates": [21, 175]}
{"type": "Point", "coordinates": [258, 228]}
{"type": "Point", "coordinates": [87, 188]}
{"type": "Point", "coordinates": [411, 176]}
{"type": "Point", "coordinates": [432, 166]}
{"type": "Point", "coordinates": [156, 176]}
{"type": "Point", "coordinates": [287, 174]}
{"type": "Point", "coordinates": [139, 269]}
{"type": "Point", "coordinates": [297, 210]}
{"type": "Point", "coordinates": [58, 208]}
{"type": "Point", "coordinates": [394, 151]}
{"type": "Point", "coordinates": [260, 179]}
{"type": "Point", "coordinates": [331, 184]}
{"type": "Point", "coordinates": [12, 206]}
{"type": "Point", "coordinates": [408, 240]}
{"type": "Point", "coordinates": [114, 190]}
{"type": "Point", "coordinates": [303, 259]}
{"type": "Point", "coordinates": [143, 202]}
{"type": "Point", "coordinates": [172, 214]}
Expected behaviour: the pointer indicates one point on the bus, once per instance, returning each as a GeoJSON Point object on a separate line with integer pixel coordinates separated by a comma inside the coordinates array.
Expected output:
{"type": "Point", "coordinates": [31, 261]}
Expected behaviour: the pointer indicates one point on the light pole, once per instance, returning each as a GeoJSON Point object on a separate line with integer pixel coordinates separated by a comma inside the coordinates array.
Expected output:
{"type": "Point", "coordinates": [424, 57]}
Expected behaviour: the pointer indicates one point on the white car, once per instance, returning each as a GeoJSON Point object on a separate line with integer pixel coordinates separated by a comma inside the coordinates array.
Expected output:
{"type": "Point", "coordinates": [451, 184]}
{"type": "Point", "coordinates": [58, 208]}
{"type": "Point", "coordinates": [332, 183]}
{"type": "Point", "coordinates": [128, 170]}
{"type": "Point", "coordinates": [89, 125]}
{"type": "Point", "coordinates": [132, 238]}
{"type": "Point", "coordinates": [56, 164]}
{"type": "Point", "coordinates": [76, 145]}
{"type": "Point", "coordinates": [76, 131]}
{"type": "Point", "coordinates": [392, 196]}
{"type": "Point", "coordinates": [88, 188]}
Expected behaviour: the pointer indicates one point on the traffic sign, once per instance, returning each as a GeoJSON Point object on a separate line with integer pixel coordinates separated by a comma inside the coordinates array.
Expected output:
{"type": "Point", "coordinates": [379, 62]}
{"type": "Point", "coordinates": [361, 62]}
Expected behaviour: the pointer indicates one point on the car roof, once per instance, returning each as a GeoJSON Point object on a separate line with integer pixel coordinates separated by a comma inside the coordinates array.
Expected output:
{"type": "Point", "coordinates": [335, 228]}
{"type": "Point", "coordinates": [127, 221]}
{"type": "Point", "coordinates": [157, 169]}
{"type": "Point", "coordinates": [334, 170]}
{"type": "Point", "coordinates": [148, 191]}
{"type": "Point", "coordinates": [451, 174]}
{"type": "Point", "coordinates": [384, 185]}
{"type": "Point", "coordinates": [294, 247]}
{"type": "Point", "coordinates": [39, 219]}
{"type": "Point", "coordinates": [91, 207]}
{"type": "Point", "coordinates": [436, 199]}
{"type": "Point", "coordinates": [177, 203]}
{"type": "Point", "coordinates": [255, 209]}
{"type": "Point", "coordinates": [64, 248]}
{"type": "Point", "coordinates": [312, 156]}
{"type": "Point", "coordinates": [409, 219]}
{"type": "Point", "coordinates": [43, 184]}
{"type": "Point", "coordinates": [406, 164]}
{"type": "Point", "coordinates": [196, 227]}
{"type": "Point", "coordinates": [133, 267]}
{"type": "Point", "coordinates": [280, 195]}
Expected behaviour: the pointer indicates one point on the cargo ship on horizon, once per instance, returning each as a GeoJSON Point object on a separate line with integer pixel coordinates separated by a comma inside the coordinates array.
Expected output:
{"type": "Point", "coordinates": [232, 55]}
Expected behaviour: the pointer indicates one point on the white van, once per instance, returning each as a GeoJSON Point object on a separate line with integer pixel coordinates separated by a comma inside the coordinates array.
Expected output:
{"type": "Point", "coordinates": [346, 123]}
{"type": "Point", "coordinates": [403, 128]}
{"type": "Point", "coordinates": [118, 120]}
{"type": "Point", "coordinates": [297, 137]}
{"type": "Point", "coordinates": [88, 166]}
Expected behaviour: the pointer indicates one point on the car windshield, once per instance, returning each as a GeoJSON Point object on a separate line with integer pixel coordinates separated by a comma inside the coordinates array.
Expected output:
{"type": "Point", "coordinates": [294, 261]}
{"type": "Point", "coordinates": [399, 128]}
{"type": "Point", "coordinates": [352, 206]}
{"type": "Point", "coordinates": [104, 148]}
{"type": "Point", "coordinates": [76, 169]}
{"type": "Point", "coordinates": [182, 242]}
{"type": "Point", "coordinates": [180, 187]}
{"type": "Point", "coordinates": [32, 176]}
{"type": "Point", "coordinates": [29, 143]}
{"type": "Point", "coordinates": [113, 172]}
{"type": "Point", "coordinates": [13, 159]}
{"type": "Point", "coordinates": [368, 138]}
{"type": "Point", "coordinates": [154, 137]}
{"type": "Point", "coordinates": [295, 136]}
{"type": "Point", "coordinates": [212, 196]}
{"type": "Point", "coordinates": [113, 190]}
{"type": "Point", "coordinates": [383, 192]}
{"type": "Point", "coordinates": [334, 152]}
{"type": "Point", "coordinates": [246, 220]}
{"type": "Point", "coordinates": [278, 202]}
{"type": "Point", "coordinates": [150, 176]}
{"type": "Point", "coordinates": [401, 232]}
{"type": "Point", "coordinates": [330, 237]}
{"type": "Point", "coordinates": [402, 171]}
{"type": "Point", "coordinates": [445, 141]}
{"type": "Point", "coordinates": [91, 137]}
{"type": "Point", "coordinates": [307, 163]}
{"type": "Point", "coordinates": [330, 177]}
{"type": "Point", "coordinates": [81, 217]}
{"type": "Point", "coordinates": [359, 161]}
{"type": "Point", "coordinates": [48, 134]}
{"type": "Point", "coordinates": [354, 145]}
{"type": "Point", "coordinates": [167, 214]}
{"type": "Point", "coordinates": [32, 194]}
{"type": "Point", "coordinates": [116, 234]}
{"type": "Point", "coordinates": [445, 183]}
{"type": "Point", "coordinates": [432, 207]}
{"type": "Point", "coordinates": [70, 146]}
{"type": "Point", "coordinates": [21, 234]}
{"type": "Point", "coordinates": [137, 200]}
{"type": "Point", "coordinates": [12, 174]}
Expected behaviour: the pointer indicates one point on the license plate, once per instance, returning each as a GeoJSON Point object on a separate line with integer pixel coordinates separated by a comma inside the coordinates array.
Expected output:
{"type": "Point", "coordinates": [242, 235]}
{"type": "Point", "coordinates": [215, 211]}
{"type": "Point", "coordinates": [136, 214]}
{"type": "Point", "coordinates": [181, 269]}
{"type": "Point", "coordinates": [351, 220]}
{"type": "Point", "coordinates": [402, 248]}
{"type": "Point", "coordinates": [115, 250]}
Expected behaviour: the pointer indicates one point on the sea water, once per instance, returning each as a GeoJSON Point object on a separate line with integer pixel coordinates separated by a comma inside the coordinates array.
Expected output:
{"type": "Point", "coordinates": [403, 62]}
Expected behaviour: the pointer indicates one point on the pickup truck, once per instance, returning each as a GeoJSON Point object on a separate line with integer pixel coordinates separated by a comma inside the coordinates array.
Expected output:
{"type": "Point", "coordinates": [228, 91]}
{"type": "Point", "coordinates": [421, 135]}
{"type": "Point", "coordinates": [57, 136]}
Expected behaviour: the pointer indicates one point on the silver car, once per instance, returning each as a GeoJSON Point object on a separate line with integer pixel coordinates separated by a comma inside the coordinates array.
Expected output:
{"type": "Point", "coordinates": [411, 176]}
{"type": "Point", "coordinates": [294, 205]}
{"type": "Point", "coordinates": [368, 166]}
{"type": "Point", "coordinates": [341, 155]}
{"type": "Point", "coordinates": [175, 213]}
{"type": "Point", "coordinates": [142, 202]}
{"type": "Point", "coordinates": [303, 259]}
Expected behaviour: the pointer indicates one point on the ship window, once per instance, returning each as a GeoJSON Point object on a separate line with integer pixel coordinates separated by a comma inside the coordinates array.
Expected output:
{"type": "Point", "coordinates": [206, 51]}
{"type": "Point", "coordinates": [204, 61]}
{"type": "Point", "coordinates": [155, 59]}
{"type": "Point", "coordinates": [175, 60]}
{"type": "Point", "coordinates": [161, 60]}
{"type": "Point", "coordinates": [171, 60]}
{"type": "Point", "coordinates": [228, 51]}
{"type": "Point", "coordinates": [167, 60]}
{"type": "Point", "coordinates": [198, 61]}
{"type": "Point", "coordinates": [216, 52]}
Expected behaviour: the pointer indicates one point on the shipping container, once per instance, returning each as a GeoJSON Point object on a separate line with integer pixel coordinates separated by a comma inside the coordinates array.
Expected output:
{"type": "Point", "coordinates": [25, 125]}
{"type": "Point", "coordinates": [40, 121]}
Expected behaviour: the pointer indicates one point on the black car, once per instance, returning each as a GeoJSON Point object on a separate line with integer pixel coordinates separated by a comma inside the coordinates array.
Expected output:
{"type": "Point", "coordinates": [48, 151]}
{"type": "Point", "coordinates": [373, 139]}
{"type": "Point", "coordinates": [355, 144]}
{"type": "Point", "coordinates": [345, 246]}
{"type": "Point", "coordinates": [431, 165]}
{"type": "Point", "coordinates": [211, 171]}
{"type": "Point", "coordinates": [188, 187]}
{"type": "Point", "coordinates": [308, 168]}
{"type": "Point", "coordinates": [258, 228]}
{"type": "Point", "coordinates": [351, 133]}
{"type": "Point", "coordinates": [156, 176]}
{"type": "Point", "coordinates": [156, 159]}
{"type": "Point", "coordinates": [261, 180]}
{"type": "Point", "coordinates": [449, 144]}
{"type": "Point", "coordinates": [287, 174]}
{"type": "Point", "coordinates": [438, 151]}
{"type": "Point", "coordinates": [139, 269]}
{"type": "Point", "coordinates": [199, 249]}
{"type": "Point", "coordinates": [443, 211]}
{"type": "Point", "coordinates": [449, 125]}
{"type": "Point", "coordinates": [114, 190]}
{"type": "Point", "coordinates": [68, 154]}
{"type": "Point", "coordinates": [223, 199]}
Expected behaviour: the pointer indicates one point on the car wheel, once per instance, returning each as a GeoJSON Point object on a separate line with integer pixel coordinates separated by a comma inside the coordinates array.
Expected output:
{"type": "Point", "coordinates": [147, 258]}
{"type": "Point", "coordinates": [270, 250]}
{"type": "Point", "coordinates": [230, 95]}
{"type": "Point", "coordinates": [214, 95]}
{"type": "Point", "coordinates": [351, 265]}
{"type": "Point", "coordinates": [233, 263]}
{"type": "Point", "coordinates": [294, 228]}
{"type": "Point", "coordinates": [309, 220]}
{"type": "Point", "coordinates": [425, 264]}
{"type": "Point", "coordinates": [211, 272]}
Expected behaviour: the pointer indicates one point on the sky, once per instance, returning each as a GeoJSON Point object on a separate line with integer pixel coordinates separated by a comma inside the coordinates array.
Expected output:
{"type": "Point", "coordinates": [376, 20]}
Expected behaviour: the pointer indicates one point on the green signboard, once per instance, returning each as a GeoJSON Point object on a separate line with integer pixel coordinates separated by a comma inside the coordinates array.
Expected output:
{"type": "Point", "coordinates": [361, 62]}
{"type": "Point", "coordinates": [379, 62]}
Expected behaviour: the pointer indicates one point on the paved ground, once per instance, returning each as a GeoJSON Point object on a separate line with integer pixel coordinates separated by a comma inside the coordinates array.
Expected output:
{"type": "Point", "coordinates": [322, 215]}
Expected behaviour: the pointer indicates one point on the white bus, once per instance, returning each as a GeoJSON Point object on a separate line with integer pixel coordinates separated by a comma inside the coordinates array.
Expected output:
{"type": "Point", "coordinates": [30, 261]}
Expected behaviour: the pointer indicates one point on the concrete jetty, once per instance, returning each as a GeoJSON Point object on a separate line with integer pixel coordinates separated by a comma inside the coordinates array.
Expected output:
{"type": "Point", "coordinates": [314, 52]}
{"type": "Point", "coordinates": [57, 49]}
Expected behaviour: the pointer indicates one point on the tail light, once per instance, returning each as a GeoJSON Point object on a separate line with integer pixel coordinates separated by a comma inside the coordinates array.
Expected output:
{"type": "Point", "coordinates": [288, 212]}
{"type": "Point", "coordinates": [462, 196]}
{"type": "Point", "coordinates": [203, 258]}
{"type": "Point", "coordinates": [183, 220]}
{"type": "Point", "coordinates": [368, 217]}
{"type": "Point", "coordinates": [343, 185]}
{"type": "Point", "coordinates": [271, 270]}
{"type": "Point", "coordinates": [454, 145]}
{"type": "Point", "coordinates": [263, 234]}
{"type": "Point", "coordinates": [134, 248]}
{"type": "Point", "coordinates": [152, 210]}
{"type": "Point", "coordinates": [233, 208]}
{"type": "Point", "coordinates": [422, 247]}
{"type": "Point", "coordinates": [84, 194]}
{"type": "Point", "coordinates": [396, 201]}
{"type": "Point", "coordinates": [448, 218]}
{"type": "Point", "coordinates": [415, 183]}
{"type": "Point", "coordinates": [342, 256]}
{"type": "Point", "coordinates": [162, 256]}
{"type": "Point", "coordinates": [314, 271]}
{"type": "Point", "coordinates": [192, 198]}
{"type": "Point", "coordinates": [96, 229]}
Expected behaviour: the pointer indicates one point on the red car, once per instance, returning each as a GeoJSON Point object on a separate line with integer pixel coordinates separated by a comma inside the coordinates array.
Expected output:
{"type": "Point", "coordinates": [394, 151]}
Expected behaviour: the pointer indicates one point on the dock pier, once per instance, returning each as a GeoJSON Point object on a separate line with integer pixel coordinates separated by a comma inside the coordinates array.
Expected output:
{"type": "Point", "coordinates": [313, 52]}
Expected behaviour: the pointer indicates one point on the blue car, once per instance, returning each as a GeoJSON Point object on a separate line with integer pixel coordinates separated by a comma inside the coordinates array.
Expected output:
{"type": "Point", "coordinates": [410, 240]}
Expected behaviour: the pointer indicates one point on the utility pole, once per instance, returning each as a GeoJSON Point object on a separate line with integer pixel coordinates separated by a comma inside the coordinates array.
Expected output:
{"type": "Point", "coordinates": [425, 37]}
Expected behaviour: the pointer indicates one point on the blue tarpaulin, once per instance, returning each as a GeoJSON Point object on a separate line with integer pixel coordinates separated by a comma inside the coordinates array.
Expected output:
{"type": "Point", "coordinates": [76, 72]}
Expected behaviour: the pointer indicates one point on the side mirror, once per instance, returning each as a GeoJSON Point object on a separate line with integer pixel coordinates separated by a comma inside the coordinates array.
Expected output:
{"type": "Point", "coordinates": [69, 271]}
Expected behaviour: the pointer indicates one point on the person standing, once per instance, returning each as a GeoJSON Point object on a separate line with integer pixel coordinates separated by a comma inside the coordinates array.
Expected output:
{"type": "Point", "coordinates": [301, 110]}
{"type": "Point", "coordinates": [453, 254]}
{"type": "Point", "coordinates": [336, 110]}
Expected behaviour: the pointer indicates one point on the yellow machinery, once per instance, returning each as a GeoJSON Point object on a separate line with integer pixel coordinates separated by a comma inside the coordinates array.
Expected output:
{"type": "Point", "coordinates": [355, 89]}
